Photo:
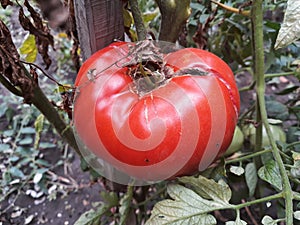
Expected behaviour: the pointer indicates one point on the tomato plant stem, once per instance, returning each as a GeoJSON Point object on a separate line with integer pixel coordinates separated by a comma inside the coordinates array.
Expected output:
{"type": "Point", "coordinates": [257, 21]}
{"type": "Point", "coordinates": [138, 20]}
{"type": "Point", "coordinates": [9, 86]}
{"type": "Point", "coordinates": [41, 102]}
{"type": "Point", "coordinates": [257, 201]}
{"type": "Point", "coordinates": [272, 75]}
{"type": "Point", "coordinates": [249, 156]}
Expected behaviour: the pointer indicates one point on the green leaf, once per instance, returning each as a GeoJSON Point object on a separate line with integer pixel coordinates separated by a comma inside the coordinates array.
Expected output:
{"type": "Point", "coordinates": [290, 29]}
{"type": "Point", "coordinates": [44, 145]}
{"type": "Point", "coordinates": [186, 208]}
{"type": "Point", "coordinates": [237, 170]}
{"type": "Point", "coordinates": [125, 207]}
{"type": "Point", "coordinates": [268, 220]}
{"type": "Point", "coordinates": [92, 215]}
{"type": "Point", "coordinates": [270, 173]}
{"type": "Point", "coordinates": [297, 215]}
{"type": "Point", "coordinates": [209, 189]}
{"type": "Point", "coordinates": [111, 198]}
{"type": "Point", "coordinates": [16, 172]}
{"type": "Point", "coordinates": [149, 16]}
{"type": "Point", "coordinates": [251, 178]}
{"type": "Point", "coordinates": [288, 90]}
{"type": "Point", "coordinates": [29, 49]}
{"type": "Point", "coordinates": [43, 162]}
{"type": "Point", "coordinates": [26, 141]}
{"type": "Point", "coordinates": [127, 17]}
{"type": "Point", "coordinates": [277, 110]}
{"type": "Point", "coordinates": [27, 130]}
{"type": "Point", "coordinates": [38, 125]}
{"type": "Point", "coordinates": [4, 147]}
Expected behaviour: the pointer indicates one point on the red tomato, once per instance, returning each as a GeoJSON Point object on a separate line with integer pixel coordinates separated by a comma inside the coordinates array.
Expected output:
{"type": "Point", "coordinates": [176, 129]}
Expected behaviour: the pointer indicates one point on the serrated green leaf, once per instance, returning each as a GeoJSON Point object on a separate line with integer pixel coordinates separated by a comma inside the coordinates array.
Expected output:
{"type": "Point", "coordinates": [251, 178]}
{"type": "Point", "coordinates": [29, 49]}
{"type": "Point", "coordinates": [290, 29]}
{"type": "Point", "coordinates": [209, 189]}
{"type": "Point", "coordinates": [186, 207]}
{"type": "Point", "coordinates": [270, 173]}
{"type": "Point", "coordinates": [91, 216]}
{"type": "Point", "coordinates": [125, 207]}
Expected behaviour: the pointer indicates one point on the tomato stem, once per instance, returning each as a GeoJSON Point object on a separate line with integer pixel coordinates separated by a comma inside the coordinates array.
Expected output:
{"type": "Point", "coordinates": [258, 41]}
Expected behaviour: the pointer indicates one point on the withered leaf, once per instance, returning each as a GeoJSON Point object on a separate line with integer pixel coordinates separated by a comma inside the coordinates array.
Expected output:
{"type": "Point", "coordinates": [5, 3]}
{"type": "Point", "coordinates": [35, 16]}
{"type": "Point", "coordinates": [11, 67]}
{"type": "Point", "coordinates": [41, 32]}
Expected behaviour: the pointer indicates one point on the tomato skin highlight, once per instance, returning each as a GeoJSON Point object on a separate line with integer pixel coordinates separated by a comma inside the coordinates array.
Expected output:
{"type": "Point", "coordinates": [176, 129]}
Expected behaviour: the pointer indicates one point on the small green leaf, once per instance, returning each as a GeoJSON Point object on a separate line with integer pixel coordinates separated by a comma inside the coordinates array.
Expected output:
{"type": "Point", "coordinates": [270, 173]}
{"type": "Point", "coordinates": [110, 198]}
{"type": "Point", "coordinates": [268, 220]}
{"type": "Point", "coordinates": [63, 88]}
{"type": "Point", "coordinates": [277, 110]}
{"type": "Point", "coordinates": [4, 147]}
{"type": "Point", "coordinates": [237, 170]}
{"type": "Point", "coordinates": [16, 172]}
{"type": "Point", "coordinates": [29, 49]}
{"type": "Point", "coordinates": [92, 216]}
{"type": "Point", "coordinates": [209, 189]}
{"type": "Point", "coordinates": [148, 17]}
{"type": "Point", "coordinates": [251, 178]}
{"type": "Point", "coordinates": [297, 215]}
{"type": "Point", "coordinates": [44, 145]}
{"type": "Point", "coordinates": [27, 130]}
{"type": "Point", "coordinates": [38, 125]}
{"type": "Point", "coordinates": [128, 19]}
{"type": "Point", "coordinates": [43, 162]}
{"type": "Point", "coordinates": [26, 141]}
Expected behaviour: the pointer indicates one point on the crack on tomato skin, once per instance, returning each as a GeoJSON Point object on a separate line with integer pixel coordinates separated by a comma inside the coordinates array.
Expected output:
{"type": "Point", "coordinates": [195, 71]}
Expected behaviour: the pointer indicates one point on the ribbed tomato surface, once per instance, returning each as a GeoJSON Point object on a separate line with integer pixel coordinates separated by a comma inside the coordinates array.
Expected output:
{"type": "Point", "coordinates": [176, 129]}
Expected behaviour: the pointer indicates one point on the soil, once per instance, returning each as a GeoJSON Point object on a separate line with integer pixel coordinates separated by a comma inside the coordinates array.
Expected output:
{"type": "Point", "coordinates": [73, 195]}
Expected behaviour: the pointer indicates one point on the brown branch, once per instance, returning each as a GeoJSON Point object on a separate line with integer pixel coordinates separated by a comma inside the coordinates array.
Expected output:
{"type": "Point", "coordinates": [174, 13]}
{"type": "Point", "coordinates": [138, 20]}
